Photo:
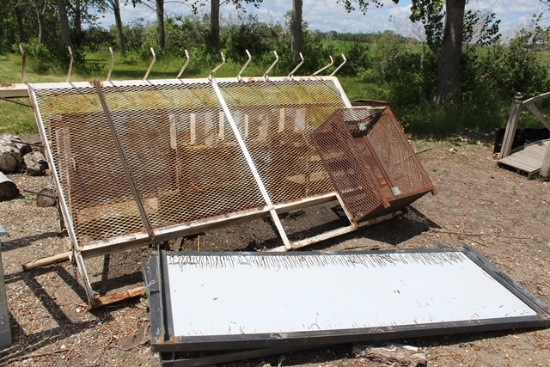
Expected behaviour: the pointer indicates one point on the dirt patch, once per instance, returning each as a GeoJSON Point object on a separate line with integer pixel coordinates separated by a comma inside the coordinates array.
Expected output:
{"type": "Point", "coordinates": [501, 214]}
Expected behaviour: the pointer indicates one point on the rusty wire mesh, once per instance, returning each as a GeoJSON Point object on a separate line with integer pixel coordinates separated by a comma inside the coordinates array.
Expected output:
{"type": "Point", "coordinates": [182, 156]}
{"type": "Point", "coordinates": [275, 118]}
{"type": "Point", "coordinates": [371, 163]}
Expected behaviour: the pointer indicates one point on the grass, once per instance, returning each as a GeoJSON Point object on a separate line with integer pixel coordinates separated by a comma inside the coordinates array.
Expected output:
{"type": "Point", "coordinates": [19, 119]}
{"type": "Point", "coordinates": [419, 120]}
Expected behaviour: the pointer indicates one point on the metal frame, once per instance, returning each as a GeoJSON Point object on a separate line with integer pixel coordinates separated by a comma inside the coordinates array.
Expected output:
{"type": "Point", "coordinates": [164, 341]}
{"type": "Point", "coordinates": [98, 248]}
{"type": "Point", "coordinates": [152, 235]}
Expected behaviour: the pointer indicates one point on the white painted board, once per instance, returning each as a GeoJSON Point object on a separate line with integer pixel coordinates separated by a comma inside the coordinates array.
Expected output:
{"type": "Point", "coordinates": [236, 294]}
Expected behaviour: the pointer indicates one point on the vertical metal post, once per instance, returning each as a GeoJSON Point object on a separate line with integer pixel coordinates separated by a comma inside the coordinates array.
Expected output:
{"type": "Point", "coordinates": [5, 330]}
{"type": "Point", "coordinates": [511, 126]}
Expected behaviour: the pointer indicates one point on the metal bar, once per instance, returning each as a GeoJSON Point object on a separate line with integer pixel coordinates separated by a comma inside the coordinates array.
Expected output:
{"type": "Point", "coordinates": [90, 294]}
{"type": "Point", "coordinates": [217, 67]}
{"type": "Point", "coordinates": [339, 66]}
{"type": "Point", "coordinates": [266, 74]}
{"type": "Point", "coordinates": [338, 231]}
{"type": "Point", "coordinates": [323, 68]}
{"type": "Point", "coordinates": [124, 161]}
{"type": "Point", "coordinates": [381, 165]}
{"type": "Point", "coordinates": [245, 65]}
{"type": "Point", "coordinates": [234, 356]}
{"type": "Point", "coordinates": [150, 64]}
{"type": "Point", "coordinates": [184, 65]}
{"type": "Point", "coordinates": [251, 165]}
{"type": "Point", "coordinates": [111, 63]}
{"type": "Point", "coordinates": [70, 69]}
{"type": "Point", "coordinates": [12, 101]}
{"type": "Point", "coordinates": [54, 171]}
{"type": "Point", "coordinates": [291, 74]}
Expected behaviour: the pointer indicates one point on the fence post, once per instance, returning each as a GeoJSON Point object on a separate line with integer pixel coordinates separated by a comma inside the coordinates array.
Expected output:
{"type": "Point", "coordinates": [5, 330]}
{"type": "Point", "coordinates": [545, 168]}
{"type": "Point", "coordinates": [511, 126]}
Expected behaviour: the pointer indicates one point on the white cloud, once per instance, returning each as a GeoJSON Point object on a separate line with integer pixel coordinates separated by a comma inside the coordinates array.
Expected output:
{"type": "Point", "coordinates": [326, 15]}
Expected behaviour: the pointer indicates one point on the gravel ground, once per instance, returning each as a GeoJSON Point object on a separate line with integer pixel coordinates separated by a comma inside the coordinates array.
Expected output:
{"type": "Point", "coordinates": [501, 214]}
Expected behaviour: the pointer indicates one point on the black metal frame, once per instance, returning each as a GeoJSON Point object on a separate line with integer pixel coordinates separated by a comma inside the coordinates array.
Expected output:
{"type": "Point", "coordinates": [240, 347]}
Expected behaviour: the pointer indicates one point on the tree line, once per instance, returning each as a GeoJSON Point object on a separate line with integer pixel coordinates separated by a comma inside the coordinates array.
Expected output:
{"type": "Point", "coordinates": [56, 24]}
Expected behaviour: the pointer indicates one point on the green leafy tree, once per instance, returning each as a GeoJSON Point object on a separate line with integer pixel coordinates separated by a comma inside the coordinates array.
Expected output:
{"type": "Point", "coordinates": [448, 71]}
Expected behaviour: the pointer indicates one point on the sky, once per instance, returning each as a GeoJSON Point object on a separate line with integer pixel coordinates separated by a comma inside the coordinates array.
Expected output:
{"type": "Point", "coordinates": [329, 15]}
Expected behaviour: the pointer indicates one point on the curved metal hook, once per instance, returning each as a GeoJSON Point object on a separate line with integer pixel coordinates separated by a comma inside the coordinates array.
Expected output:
{"type": "Point", "coordinates": [150, 64]}
{"type": "Point", "coordinates": [266, 76]}
{"type": "Point", "coordinates": [23, 64]}
{"type": "Point", "coordinates": [111, 64]}
{"type": "Point", "coordinates": [217, 67]}
{"type": "Point", "coordinates": [245, 65]}
{"type": "Point", "coordinates": [339, 66]}
{"type": "Point", "coordinates": [70, 64]}
{"type": "Point", "coordinates": [184, 65]}
{"type": "Point", "coordinates": [318, 71]}
{"type": "Point", "coordinates": [291, 75]}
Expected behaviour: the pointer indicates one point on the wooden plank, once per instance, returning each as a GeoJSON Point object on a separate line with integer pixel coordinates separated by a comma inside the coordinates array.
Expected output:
{"type": "Point", "coordinates": [529, 159]}
{"type": "Point", "coordinates": [17, 90]}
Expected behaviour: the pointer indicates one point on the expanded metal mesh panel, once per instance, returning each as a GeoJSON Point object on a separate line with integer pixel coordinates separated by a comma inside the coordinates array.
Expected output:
{"type": "Point", "coordinates": [182, 155]}
{"type": "Point", "coordinates": [91, 176]}
{"type": "Point", "coordinates": [348, 166]}
{"type": "Point", "coordinates": [370, 161]}
{"type": "Point", "coordinates": [275, 118]}
{"type": "Point", "coordinates": [400, 161]}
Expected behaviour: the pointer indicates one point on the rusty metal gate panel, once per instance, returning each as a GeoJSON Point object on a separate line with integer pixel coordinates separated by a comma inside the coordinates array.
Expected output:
{"type": "Point", "coordinates": [371, 163]}
{"type": "Point", "coordinates": [183, 159]}
{"type": "Point", "coordinates": [275, 118]}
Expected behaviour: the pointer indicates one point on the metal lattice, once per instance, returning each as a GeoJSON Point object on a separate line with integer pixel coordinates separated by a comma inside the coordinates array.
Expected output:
{"type": "Point", "coordinates": [275, 118]}
{"type": "Point", "coordinates": [370, 161]}
{"type": "Point", "coordinates": [172, 143]}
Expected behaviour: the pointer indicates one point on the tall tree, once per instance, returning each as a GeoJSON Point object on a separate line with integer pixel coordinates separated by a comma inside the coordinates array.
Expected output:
{"type": "Point", "coordinates": [161, 37]}
{"type": "Point", "coordinates": [114, 6]}
{"type": "Point", "coordinates": [296, 31]}
{"type": "Point", "coordinates": [448, 71]}
{"type": "Point", "coordinates": [64, 22]}
{"type": "Point", "coordinates": [448, 76]}
{"type": "Point", "coordinates": [215, 5]}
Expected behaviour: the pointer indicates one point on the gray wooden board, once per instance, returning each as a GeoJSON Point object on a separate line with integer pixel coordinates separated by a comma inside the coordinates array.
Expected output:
{"type": "Point", "coordinates": [228, 300]}
{"type": "Point", "coordinates": [528, 159]}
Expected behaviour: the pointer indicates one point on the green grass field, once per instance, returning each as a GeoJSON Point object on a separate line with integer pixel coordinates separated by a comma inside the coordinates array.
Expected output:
{"type": "Point", "coordinates": [20, 119]}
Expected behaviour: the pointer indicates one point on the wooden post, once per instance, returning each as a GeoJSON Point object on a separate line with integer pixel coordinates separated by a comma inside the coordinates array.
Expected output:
{"type": "Point", "coordinates": [5, 330]}
{"type": "Point", "coordinates": [511, 126]}
{"type": "Point", "coordinates": [545, 168]}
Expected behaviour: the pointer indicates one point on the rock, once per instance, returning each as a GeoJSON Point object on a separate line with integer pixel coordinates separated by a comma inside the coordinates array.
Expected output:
{"type": "Point", "coordinates": [8, 190]}
{"type": "Point", "coordinates": [36, 163]}
{"type": "Point", "coordinates": [46, 197]}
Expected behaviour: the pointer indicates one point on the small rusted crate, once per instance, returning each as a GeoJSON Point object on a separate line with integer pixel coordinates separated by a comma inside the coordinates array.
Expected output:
{"type": "Point", "coordinates": [370, 161]}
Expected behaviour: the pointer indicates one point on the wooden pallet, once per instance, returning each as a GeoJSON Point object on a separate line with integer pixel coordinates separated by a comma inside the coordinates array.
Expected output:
{"type": "Point", "coordinates": [529, 159]}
